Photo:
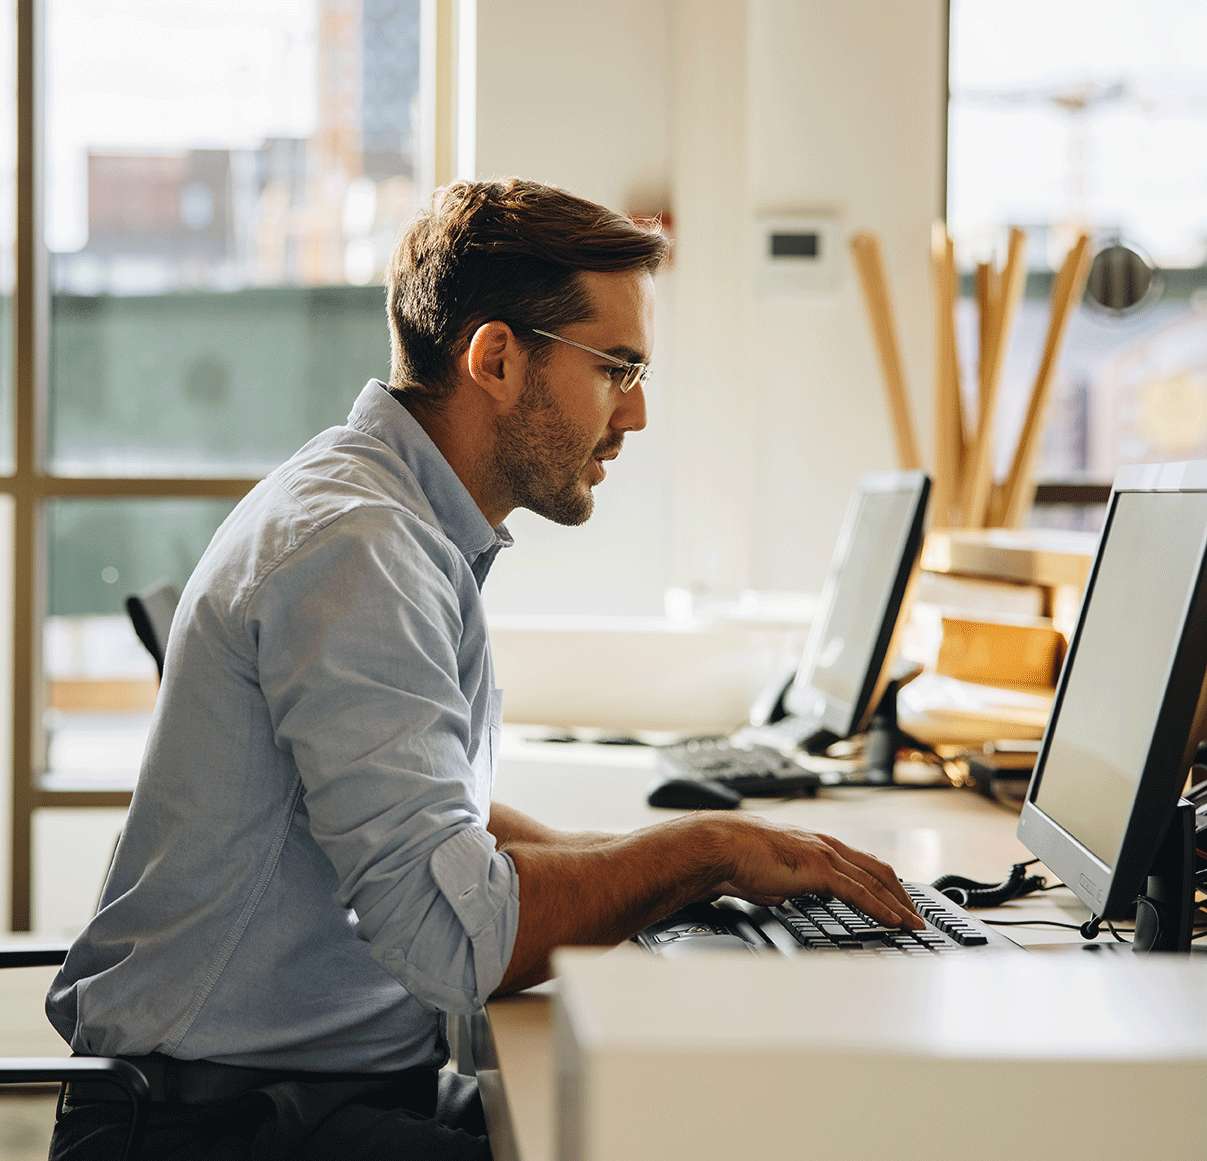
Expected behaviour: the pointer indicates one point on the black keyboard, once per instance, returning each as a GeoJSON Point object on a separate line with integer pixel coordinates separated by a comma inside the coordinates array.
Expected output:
{"type": "Point", "coordinates": [811, 923]}
{"type": "Point", "coordinates": [752, 770]}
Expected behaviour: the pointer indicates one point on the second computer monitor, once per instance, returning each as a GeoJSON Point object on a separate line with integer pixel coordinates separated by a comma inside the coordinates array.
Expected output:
{"type": "Point", "coordinates": [1130, 705]}
{"type": "Point", "coordinates": [844, 666]}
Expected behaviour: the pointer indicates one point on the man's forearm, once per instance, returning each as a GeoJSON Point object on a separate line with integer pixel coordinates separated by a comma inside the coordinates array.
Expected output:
{"type": "Point", "coordinates": [511, 826]}
{"type": "Point", "coordinates": [601, 892]}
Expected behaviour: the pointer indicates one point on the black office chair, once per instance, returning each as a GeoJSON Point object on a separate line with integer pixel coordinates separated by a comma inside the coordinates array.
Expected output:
{"type": "Point", "coordinates": [151, 613]}
{"type": "Point", "coordinates": [26, 1070]}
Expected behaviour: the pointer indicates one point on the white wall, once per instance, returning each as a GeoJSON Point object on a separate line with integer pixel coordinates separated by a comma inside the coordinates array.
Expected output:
{"type": "Point", "coordinates": [763, 412]}
{"type": "Point", "coordinates": [846, 109]}
{"type": "Point", "coordinates": [577, 95]}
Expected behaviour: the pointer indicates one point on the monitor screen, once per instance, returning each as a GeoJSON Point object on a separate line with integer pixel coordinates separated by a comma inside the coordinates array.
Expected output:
{"type": "Point", "coordinates": [864, 588]}
{"type": "Point", "coordinates": [1131, 703]}
{"type": "Point", "coordinates": [1100, 737]}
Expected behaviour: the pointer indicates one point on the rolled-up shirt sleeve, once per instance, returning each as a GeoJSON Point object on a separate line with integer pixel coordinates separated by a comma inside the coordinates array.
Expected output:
{"type": "Point", "coordinates": [356, 632]}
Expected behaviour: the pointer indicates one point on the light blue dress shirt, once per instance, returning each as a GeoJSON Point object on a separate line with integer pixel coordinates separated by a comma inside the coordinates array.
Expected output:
{"type": "Point", "coordinates": [305, 879]}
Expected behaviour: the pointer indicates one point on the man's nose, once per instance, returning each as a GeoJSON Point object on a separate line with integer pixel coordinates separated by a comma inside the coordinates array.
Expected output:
{"type": "Point", "coordinates": [630, 414]}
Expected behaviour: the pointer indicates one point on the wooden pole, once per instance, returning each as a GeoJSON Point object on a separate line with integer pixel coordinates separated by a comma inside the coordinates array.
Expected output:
{"type": "Point", "coordinates": [986, 287]}
{"type": "Point", "coordinates": [958, 433]}
{"type": "Point", "coordinates": [1066, 294]}
{"type": "Point", "coordinates": [1004, 305]}
{"type": "Point", "coordinates": [945, 490]}
{"type": "Point", "coordinates": [869, 264]}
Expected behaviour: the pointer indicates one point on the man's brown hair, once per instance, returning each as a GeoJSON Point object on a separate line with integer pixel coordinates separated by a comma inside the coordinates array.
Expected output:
{"type": "Point", "coordinates": [506, 250]}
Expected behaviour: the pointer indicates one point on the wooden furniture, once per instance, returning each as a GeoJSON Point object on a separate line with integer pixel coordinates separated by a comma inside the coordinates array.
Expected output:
{"type": "Point", "coordinates": [962, 463]}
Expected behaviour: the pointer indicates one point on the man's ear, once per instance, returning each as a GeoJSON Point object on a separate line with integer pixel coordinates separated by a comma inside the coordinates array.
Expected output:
{"type": "Point", "coordinates": [495, 362]}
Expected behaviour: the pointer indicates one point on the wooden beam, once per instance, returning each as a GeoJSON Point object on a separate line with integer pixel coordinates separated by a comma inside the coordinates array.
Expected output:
{"type": "Point", "coordinates": [869, 265]}
{"type": "Point", "coordinates": [1066, 294]}
{"type": "Point", "coordinates": [1003, 308]}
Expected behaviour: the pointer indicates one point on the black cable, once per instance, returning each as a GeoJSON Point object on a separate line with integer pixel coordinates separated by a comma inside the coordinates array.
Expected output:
{"type": "Point", "coordinates": [1119, 938]}
{"type": "Point", "coordinates": [971, 893]}
{"type": "Point", "coordinates": [1152, 906]}
{"type": "Point", "coordinates": [1031, 923]}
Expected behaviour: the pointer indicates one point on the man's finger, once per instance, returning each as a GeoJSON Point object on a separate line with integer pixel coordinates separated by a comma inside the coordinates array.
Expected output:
{"type": "Point", "coordinates": [854, 885]}
{"type": "Point", "coordinates": [880, 870]}
{"type": "Point", "coordinates": [844, 887]}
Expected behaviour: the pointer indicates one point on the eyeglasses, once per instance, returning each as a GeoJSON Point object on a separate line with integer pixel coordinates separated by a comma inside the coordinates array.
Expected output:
{"type": "Point", "coordinates": [634, 373]}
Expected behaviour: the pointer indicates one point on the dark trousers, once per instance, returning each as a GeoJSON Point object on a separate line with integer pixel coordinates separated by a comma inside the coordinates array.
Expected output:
{"type": "Point", "coordinates": [290, 1120]}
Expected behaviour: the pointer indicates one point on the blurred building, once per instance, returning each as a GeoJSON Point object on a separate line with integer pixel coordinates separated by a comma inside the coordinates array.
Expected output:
{"type": "Point", "coordinates": [320, 210]}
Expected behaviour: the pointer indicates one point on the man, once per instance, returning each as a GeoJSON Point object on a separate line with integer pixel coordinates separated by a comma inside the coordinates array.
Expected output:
{"type": "Point", "coordinates": [313, 873]}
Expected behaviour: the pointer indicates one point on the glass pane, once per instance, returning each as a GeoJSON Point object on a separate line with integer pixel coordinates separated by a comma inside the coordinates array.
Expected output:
{"type": "Point", "coordinates": [8, 224]}
{"type": "Point", "coordinates": [73, 848]}
{"type": "Point", "coordinates": [221, 207]}
{"type": "Point", "coordinates": [100, 681]}
{"type": "Point", "coordinates": [1101, 123]}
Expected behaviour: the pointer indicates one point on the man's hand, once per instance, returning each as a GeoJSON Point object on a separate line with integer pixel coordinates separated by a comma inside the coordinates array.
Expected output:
{"type": "Point", "coordinates": [767, 863]}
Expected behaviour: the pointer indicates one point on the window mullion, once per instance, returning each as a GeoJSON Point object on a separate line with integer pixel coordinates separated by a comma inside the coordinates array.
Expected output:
{"type": "Point", "coordinates": [30, 302]}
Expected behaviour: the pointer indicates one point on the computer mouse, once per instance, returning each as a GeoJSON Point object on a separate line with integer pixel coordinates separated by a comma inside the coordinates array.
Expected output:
{"type": "Point", "coordinates": [693, 794]}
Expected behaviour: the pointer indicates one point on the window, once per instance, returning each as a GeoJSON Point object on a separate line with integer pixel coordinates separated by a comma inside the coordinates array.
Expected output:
{"type": "Point", "coordinates": [1090, 114]}
{"type": "Point", "coordinates": [100, 681]}
{"type": "Point", "coordinates": [211, 197]}
{"type": "Point", "coordinates": [222, 186]}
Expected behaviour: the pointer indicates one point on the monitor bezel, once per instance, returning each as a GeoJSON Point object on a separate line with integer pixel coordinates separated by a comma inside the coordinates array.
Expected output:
{"type": "Point", "coordinates": [1181, 721]}
{"type": "Point", "coordinates": [844, 718]}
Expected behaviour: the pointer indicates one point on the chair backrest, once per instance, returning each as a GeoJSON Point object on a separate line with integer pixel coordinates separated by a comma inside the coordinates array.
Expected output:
{"type": "Point", "coordinates": [151, 613]}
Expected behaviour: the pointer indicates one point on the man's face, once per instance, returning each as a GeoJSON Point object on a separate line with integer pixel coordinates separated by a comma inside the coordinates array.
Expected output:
{"type": "Point", "coordinates": [571, 415]}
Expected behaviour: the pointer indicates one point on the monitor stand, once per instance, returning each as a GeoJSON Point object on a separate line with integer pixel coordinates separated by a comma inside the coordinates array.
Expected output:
{"type": "Point", "coordinates": [885, 738]}
{"type": "Point", "coordinates": [1165, 913]}
{"type": "Point", "coordinates": [881, 741]}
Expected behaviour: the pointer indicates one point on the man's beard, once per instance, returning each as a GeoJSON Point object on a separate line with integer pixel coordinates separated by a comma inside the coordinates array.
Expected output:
{"type": "Point", "coordinates": [540, 455]}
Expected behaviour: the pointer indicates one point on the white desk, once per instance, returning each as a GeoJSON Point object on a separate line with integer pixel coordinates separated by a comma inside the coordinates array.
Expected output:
{"type": "Point", "coordinates": [922, 833]}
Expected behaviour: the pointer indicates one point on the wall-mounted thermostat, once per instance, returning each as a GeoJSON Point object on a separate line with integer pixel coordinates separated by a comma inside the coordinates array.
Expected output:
{"type": "Point", "coordinates": [796, 254]}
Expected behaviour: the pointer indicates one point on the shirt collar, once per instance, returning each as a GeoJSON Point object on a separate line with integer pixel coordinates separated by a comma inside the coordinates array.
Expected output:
{"type": "Point", "coordinates": [376, 412]}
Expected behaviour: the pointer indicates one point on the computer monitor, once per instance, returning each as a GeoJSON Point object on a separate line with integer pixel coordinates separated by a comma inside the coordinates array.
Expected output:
{"type": "Point", "coordinates": [844, 669]}
{"type": "Point", "coordinates": [1129, 708]}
